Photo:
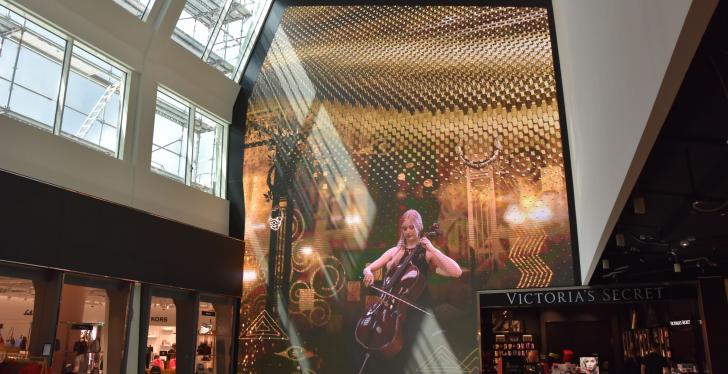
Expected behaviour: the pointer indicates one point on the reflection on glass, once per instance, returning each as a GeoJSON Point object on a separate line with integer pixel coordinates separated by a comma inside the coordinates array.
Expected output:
{"type": "Point", "coordinates": [196, 24]}
{"type": "Point", "coordinates": [206, 153]}
{"type": "Point", "coordinates": [94, 95]}
{"type": "Point", "coordinates": [235, 35]}
{"type": "Point", "coordinates": [31, 61]}
{"type": "Point", "coordinates": [169, 144]}
{"type": "Point", "coordinates": [139, 8]}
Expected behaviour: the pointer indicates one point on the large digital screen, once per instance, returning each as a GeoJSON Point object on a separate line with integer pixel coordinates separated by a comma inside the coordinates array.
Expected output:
{"type": "Point", "coordinates": [366, 126]}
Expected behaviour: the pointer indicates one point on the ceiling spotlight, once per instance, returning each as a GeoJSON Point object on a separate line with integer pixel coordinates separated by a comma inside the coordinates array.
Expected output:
{"type": "Point", "coordinates": [605, 264]}
{"type": "Point", "coordinates": [684, 243]}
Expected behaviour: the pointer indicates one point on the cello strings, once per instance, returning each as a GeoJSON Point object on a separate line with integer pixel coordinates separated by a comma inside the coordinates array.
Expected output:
{"type": "Point", "coordinates": [404, 301]}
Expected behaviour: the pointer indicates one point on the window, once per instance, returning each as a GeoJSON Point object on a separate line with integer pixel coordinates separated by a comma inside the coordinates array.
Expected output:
{"type": "Point", "coordinates": [221, 31]}
{"type": "Point", "coordinates": [139, 8]}
{"type": "Point", "coordinates": [181, 129]}
{"type": "Point", "coordinates": [55, 83]}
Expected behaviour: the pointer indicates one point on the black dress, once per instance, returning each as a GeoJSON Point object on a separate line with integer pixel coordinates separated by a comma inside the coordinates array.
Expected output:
{"type": "Point", "coordinates": [413, 326]}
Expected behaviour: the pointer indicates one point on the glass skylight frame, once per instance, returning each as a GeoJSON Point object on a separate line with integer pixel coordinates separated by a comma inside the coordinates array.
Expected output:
{"type": "Point", "coordinates": [218, 23]}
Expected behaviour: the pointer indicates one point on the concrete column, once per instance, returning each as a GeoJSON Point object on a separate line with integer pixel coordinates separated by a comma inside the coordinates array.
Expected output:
{"type": "Point", "coordinates": [223, 337]}
{"type": "Point", "coordinates": [713, 310]}
{"type": "Point", "coordinates": [45, 312]}
{"type": "Point", "coordinates": [73, 299]}
{"type": "Point", "coordinates": [115, 330]}
{"type": "Point", "coordinates": [188, 310]}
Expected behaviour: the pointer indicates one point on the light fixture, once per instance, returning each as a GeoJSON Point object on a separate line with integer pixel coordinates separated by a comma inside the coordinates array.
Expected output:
{"type": "Point", "coordinates": [619, 240]}
{"type": "Point", "coordinates": [605, 264]}
{"type": "Point", "coordinates": [677, 267]}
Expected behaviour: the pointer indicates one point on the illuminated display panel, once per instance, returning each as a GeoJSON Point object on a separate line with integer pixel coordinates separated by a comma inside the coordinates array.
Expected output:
{"type": "Point", "coordinates": [361, 113]}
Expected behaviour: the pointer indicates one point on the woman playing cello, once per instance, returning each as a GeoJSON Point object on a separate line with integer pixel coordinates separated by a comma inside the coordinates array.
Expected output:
{"type": "Point", "coordinates": [424, 257]}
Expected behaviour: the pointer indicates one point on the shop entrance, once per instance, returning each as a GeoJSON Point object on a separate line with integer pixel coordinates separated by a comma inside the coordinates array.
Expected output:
{"type": "Point", "coordinates": [91, 329]}
{"type": "Point", "coordinates": [591, 330]}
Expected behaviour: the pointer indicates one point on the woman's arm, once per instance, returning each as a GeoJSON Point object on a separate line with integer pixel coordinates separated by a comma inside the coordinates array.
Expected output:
{"type": "Point", "coordinates": [376, 265]}
{"type": "Point", "coordinates": [445, 265]}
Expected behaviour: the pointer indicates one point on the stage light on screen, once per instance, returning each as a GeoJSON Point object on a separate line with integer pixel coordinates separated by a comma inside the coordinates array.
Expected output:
{"type": "Point", "coordinates": [250, 276]}
{"type": "Point", "coordinates": [514, 215]}
{"type": "Point", "coordinates": [540, 212]}
{"type": "Point", "coordinates": [307, 250]}
{"type": "Point", "coordinates": [353, 219]}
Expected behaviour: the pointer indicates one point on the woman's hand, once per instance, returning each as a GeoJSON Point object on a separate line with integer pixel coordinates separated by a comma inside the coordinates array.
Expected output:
{"type": "Point", "coordinates": [368, 277]}
{"type": "Point", "coordinates": [427, 243]}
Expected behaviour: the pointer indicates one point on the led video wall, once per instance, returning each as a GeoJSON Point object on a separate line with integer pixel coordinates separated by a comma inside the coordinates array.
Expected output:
{"type": "Point", "coordinates": [366, 126]}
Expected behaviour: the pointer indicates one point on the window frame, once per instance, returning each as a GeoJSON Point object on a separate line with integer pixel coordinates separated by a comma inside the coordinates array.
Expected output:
{"type": "Point", "coordinates": [72, 41]}
{"type": "Point", "coordinates": [145, 14]}
{"type": "Point", "coordinates": [194, 109]}
{"type": "Point", "coordinates": [237, 71]}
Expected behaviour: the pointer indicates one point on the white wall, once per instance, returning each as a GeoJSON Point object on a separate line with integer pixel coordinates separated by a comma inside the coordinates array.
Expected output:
{"type": "Point", "coordinates": [622, 62]}
{"type": "Point", "coordinates": [147, 49]}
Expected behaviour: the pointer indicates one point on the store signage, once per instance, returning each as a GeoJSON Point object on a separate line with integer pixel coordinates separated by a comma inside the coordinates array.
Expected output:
{"type": "Point", "coordinates": [158, 319]}
{"type": "Point", "coordinates": [82, 326]}
{"type": "Point", "coordinates": [208, 313]}
{"type": "Point", "coordinates": [585, 295]}
{"type": "Point", "coordinates": [683, 322]}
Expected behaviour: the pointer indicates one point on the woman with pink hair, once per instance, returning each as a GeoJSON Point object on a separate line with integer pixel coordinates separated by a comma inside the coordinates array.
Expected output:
{"type": "Point", "coordinates": [410, 225]}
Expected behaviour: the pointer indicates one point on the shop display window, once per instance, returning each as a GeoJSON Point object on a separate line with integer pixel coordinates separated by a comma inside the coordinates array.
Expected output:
{"type": "Point", "coordinates": [597, 335]}
{"type": "Point", "coordinates": [91, 330]}
{"type": "Point", "coordinates": [17, 298]}
{"type": "Point", "coordinates": [161, 348]}
{"type": "Point", "coordinates": [214, 337]}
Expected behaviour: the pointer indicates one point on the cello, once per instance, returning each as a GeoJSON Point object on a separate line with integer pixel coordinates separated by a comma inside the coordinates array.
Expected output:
{"type": "Point", "coordinates": [380, 329]}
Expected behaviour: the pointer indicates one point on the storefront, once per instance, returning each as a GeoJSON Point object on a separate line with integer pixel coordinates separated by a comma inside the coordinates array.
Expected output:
{"type": "Point", "coordinates": [591, 329]}
{"type": "Point", "coordinates": [68, 321]}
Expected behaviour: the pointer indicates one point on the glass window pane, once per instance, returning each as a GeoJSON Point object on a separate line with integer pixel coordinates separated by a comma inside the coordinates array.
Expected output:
{"type": "Point", "coordinates": [32, 106]}
{"type": "Point", "coordinates": [206, 153]}
{"type": "Point", "coordinates": [139, 8]}
{"type": "Point", "coordinates": [169, 144]}
{"type": "Point", "coordinates": [232, 42]}
{"type": "Point", "coordinates": [195, 24]}
{"type": "Point", "coordinates": [17, 301]}
{"type": "Point", "coordinates": [94, 97]}
{"type": "Point", "coordinates": [31, 60]}
{"type": "Point", "coordinates": [162, 335]}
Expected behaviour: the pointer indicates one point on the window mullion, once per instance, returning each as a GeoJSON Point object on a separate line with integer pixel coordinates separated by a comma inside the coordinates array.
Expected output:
{"type": "Point", "coordinates": [216, 30]}
{"type": "Point", "coordinates": [65, 71]}
{"type": "Point", "coordinates": [222, 163]}
{"type": "Point", "coordinates": [190, 136]}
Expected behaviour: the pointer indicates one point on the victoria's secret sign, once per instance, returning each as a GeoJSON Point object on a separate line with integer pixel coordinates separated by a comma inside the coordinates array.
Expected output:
{"type": "Point", "coordinates": [585, 295]}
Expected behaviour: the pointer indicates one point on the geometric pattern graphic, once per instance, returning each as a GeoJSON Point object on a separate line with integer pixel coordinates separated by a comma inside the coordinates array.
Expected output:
{"type": "Point", "coordinates": [442, 360]}
{"type": "Point", "coordinates": [264, 327]}
{"type": "Point", "coordinates": [524, 255]}
{"type": "Point", "coordinates": [514, 70]}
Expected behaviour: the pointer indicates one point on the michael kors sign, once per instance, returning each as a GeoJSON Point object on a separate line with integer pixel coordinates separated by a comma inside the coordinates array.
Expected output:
{"type": "Point", "coordinates": [585, 295]}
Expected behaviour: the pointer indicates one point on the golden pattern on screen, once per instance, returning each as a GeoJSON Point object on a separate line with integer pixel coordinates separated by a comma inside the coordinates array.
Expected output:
{"type": "Point", "coordinates": [449, 110]}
